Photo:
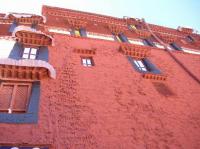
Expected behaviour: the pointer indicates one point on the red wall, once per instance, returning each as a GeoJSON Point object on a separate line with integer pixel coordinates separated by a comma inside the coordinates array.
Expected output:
{"type": "Point", "coordinates": [110, 105]}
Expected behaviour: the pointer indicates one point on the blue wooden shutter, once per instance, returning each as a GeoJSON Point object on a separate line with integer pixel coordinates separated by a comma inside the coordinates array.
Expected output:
{"type": "Point", "coordinates": [83, 32]}
{"type": "Point", "coordinates": [17, 51]}
{"type": "Point", "coordinates": [151, 67]}
{"type": "Point", "coordinates": [123, 37]}
{"type": "Point", "coordinates": [43, 54]}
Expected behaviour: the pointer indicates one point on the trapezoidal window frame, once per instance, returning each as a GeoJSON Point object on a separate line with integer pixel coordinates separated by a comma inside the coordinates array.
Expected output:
{"type": "Point", "coordinates": [12, 99]}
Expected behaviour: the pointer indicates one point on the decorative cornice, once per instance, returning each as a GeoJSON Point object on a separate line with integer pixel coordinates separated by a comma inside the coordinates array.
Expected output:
{"type": "Point", "coordinates": [68, 13]}
{"type": "Point", "coordinates": [85, 51]}
{"type": "Point", "coordinates": [25, 18]}
{"type": "Point", "coordinates": [135, 51]}
{"type": "Point", "coordinates": [25, 69]}
{"type": "Point", "coordinates": [152, 76]}
{"type": "Point", "coordinates": [116, 29]}
{"type": "Point", "coordinates": [31, 37]}
{"type": "Point", "coordinates": [76, 23]}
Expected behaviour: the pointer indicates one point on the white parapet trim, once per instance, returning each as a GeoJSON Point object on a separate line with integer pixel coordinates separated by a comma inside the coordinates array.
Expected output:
{"type": "Point", "coordinates": [100, 36]}
{"type": "Point", "coordinates": [59, 31]}
{"type": "Point", "coordinates": [158, 45]}
{"type": "Point", "coordinates": [191, 51]}
{"type": "Point", "coordinates": [136, 41]}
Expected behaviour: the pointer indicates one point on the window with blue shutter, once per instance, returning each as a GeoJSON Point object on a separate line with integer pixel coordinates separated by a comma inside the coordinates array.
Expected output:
{"type": "Point", "coordinates": [79, 32]}
{"type": "Point", "coordinates": [190, 39]}
{"type": "Point", "coordinates": [121, 38]}
{"type": "Point", "coordinates": [18, 105]}
{"type": "Point", "coordinates": [83, 32]}
{"type": "Point", "coordinates": [175, 46]}
{"type": "Point", "coordinates": [143, 65]}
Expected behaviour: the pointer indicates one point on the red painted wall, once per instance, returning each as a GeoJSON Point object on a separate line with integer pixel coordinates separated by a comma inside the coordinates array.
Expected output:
{"type": "Point", "coordinates": [110, 105]}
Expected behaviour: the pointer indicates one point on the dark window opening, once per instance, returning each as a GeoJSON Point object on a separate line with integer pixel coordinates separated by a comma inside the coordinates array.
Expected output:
{"type": "Point", "coordinates": [190, 39]}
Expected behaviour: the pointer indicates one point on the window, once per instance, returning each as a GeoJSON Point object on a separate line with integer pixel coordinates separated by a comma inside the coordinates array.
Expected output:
{"type": "Point", "coordinates": [87, 61]}
{"type": "Point", "coordinates": [189, 39]}
{"type": "Point", "coordinates": [140, 65]}
{"type": "Point", "coordinates": [29, 53]}
{"type": "Point", "coordinates": [14, 97]}
{"type": "Point", "coordinates": [132, 27]}
{"type": "Point", "coordinates": [144, 66]}
{"type": "Point", "coordinates": [79, 32]}
{"type": "Point", "coordinates": [175, 46]}
{"type": "Point", "coordinates": [23, 106]}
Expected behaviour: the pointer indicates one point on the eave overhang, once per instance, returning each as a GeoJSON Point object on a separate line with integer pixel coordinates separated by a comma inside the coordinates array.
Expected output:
{"type": "Point", "coordinates": [152, 76]}
{"type": "Point", "coordinates": [31, 37]}
{"type": "Point", "coordinates": [25, 18]}
{"type": "Point", "coordinates": [32, 70]}
{"type": "Point", "coordinates": [135, 51]}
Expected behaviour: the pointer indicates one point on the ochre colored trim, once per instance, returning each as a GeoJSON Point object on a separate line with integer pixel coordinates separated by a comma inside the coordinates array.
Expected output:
{"type": "Point", "coordinates": [151, 76]}
{"type": "Point", "coordinates": [85, 51]}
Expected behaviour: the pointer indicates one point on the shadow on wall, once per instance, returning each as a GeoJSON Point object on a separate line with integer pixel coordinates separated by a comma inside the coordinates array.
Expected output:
{"type": "Point", "coordinates": [163, 89]}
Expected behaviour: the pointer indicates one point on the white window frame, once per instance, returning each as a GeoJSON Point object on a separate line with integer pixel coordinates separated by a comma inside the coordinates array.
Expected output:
{"type": "Point", "coordinates": [30, 53]}
{"type": "Point", "coordinates": [140, 65]}
{"type": "Point", "coordinates": [87, 61]}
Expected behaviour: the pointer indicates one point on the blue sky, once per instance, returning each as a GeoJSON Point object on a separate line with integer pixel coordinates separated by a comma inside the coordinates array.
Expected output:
{"type": "Point", "coordinates": [171, 13]}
